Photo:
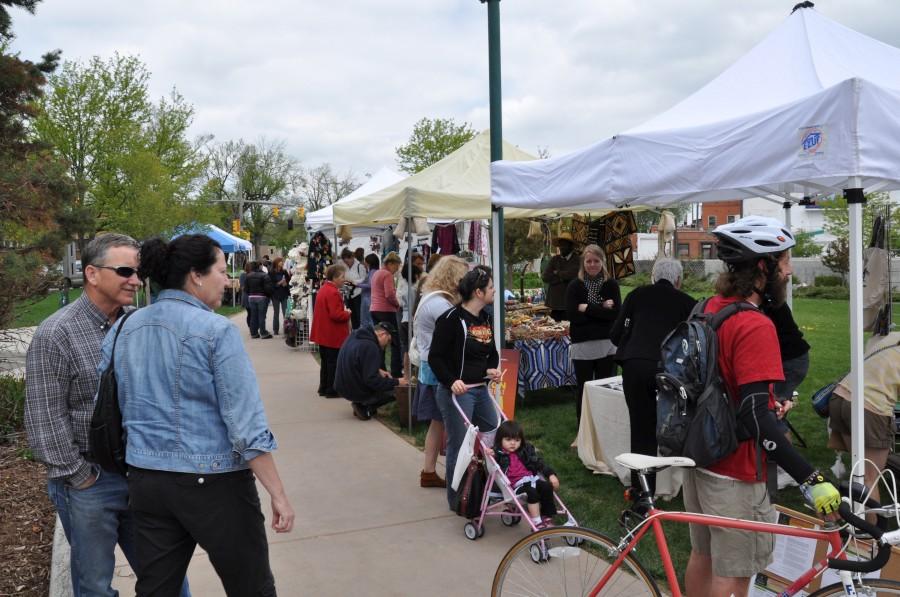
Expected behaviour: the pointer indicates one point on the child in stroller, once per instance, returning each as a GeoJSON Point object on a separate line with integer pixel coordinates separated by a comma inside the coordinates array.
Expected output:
{"type": "Point", "coordinates": [522, 466]}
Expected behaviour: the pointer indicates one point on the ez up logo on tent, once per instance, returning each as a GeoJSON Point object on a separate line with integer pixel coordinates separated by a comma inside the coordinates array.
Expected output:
{"type": "Point", "coordinates": [812, 141]}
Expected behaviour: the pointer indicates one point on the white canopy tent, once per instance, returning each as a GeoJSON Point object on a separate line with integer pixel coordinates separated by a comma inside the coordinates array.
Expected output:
{"type": "Point", "coordinates": [457, 187]}
{"type": "Point", "coordinates": [323, 219]}
{"type": "Point", "coordinates": [811, 110]}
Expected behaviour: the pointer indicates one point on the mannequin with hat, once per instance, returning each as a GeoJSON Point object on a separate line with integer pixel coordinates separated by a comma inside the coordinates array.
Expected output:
{"type": "Point", "coordinates": [562, 269]}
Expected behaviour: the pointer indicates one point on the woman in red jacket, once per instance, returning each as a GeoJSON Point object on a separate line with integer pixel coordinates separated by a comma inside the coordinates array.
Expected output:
{"type": "Point", "coordinates": [330, 326]}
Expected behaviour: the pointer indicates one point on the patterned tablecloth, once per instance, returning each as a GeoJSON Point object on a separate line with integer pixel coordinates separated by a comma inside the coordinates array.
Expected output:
{"type": "Point", "coordinates": [544, 364]}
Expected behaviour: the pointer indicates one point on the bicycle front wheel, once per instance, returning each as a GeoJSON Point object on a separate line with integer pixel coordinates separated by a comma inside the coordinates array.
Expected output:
{"type": "Point", "coordinates": [569, 561]}
{"type": "Point", "coordinates": [865, 587]}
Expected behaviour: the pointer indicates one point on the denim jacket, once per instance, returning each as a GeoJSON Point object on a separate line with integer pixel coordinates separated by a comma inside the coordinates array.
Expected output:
{"type": "Point", "coordinates": [187, 390]}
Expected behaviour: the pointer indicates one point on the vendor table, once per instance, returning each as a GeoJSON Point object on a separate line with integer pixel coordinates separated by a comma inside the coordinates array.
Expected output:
{"type": "Point", "coordinates": [605, 432]}
{"type": "Point", "coordinates": [544, 363]}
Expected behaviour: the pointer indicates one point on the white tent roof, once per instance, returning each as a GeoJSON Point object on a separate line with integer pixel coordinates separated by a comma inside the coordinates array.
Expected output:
{"type": "Point", "coordinates": [456, 188]}
{"type": "Point", "coordinates": [324, 218]}
{"type": "Point", "coordinates": [811, 105]}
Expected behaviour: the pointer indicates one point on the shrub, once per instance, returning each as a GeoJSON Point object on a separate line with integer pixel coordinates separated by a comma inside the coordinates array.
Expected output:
{"type": "Point", "coordinates": [828, 281]}
{"type": "Point", "coordinates": [823, 292]}
{"type": "Point", "coordinates": [12, 404]}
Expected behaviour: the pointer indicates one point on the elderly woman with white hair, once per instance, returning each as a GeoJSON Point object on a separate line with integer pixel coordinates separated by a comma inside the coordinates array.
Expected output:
{"type": "Point", "coordinates": [648, 314]}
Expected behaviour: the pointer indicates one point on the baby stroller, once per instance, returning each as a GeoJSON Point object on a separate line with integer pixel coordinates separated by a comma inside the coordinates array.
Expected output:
{"type": "Point", "coordinates": [500, 498]}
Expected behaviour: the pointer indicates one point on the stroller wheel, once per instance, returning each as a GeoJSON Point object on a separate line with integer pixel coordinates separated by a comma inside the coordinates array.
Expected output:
{"type": "Point", "coordinates": [510, 520]}
{"type": "Point", "coordinates": [472, 532]}
{"type": "Point", "coordinates": [573, 541]}
{"type": "Point", "coordinates": [481, 531]}
{"type": "Point", "coordinates": [538, 552]}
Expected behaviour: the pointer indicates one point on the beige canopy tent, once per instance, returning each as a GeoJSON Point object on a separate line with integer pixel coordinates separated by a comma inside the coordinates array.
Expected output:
{"type": "Point", "coordinates": [456, 188]}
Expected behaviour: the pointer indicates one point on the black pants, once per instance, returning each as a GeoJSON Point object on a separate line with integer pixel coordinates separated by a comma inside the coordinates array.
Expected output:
{"type": "Point", "coordinates": [355, 307]}
{"type": "Point", "coordinates": [541, 492]}
{"type": "Point", "coordinates": [375, 401]}
{"type": "Point", "coordinates": [390, 317]}
{"type": "Point", "coordinates": [586, 371]}
{"type": "Point", "coordinates": [639, 384]}
{"type": "Point", "coordinates": [174, 512]}
{"type": "Point", "coordinates": [328, 358]}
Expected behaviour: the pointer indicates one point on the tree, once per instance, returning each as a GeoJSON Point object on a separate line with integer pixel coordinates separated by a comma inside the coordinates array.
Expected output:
{"type": "Point", "coordinates": [431, 141]}
{"type": "Point", "coordinates": [36, 194]}
{"type": "Point", "coordinates": [320, 186]}
{"type": "Point", "coordinates": [806, 246]}
{"type": "Point", "coordinates": [520, 250]}
{"type": "Point", "coordinates": [129, 157]}
{"type": "Point", "coordinates": [837, 256]}
{"type": "Point", "coordinates": [837, 217]}
{"type": "Point", "coordinates": [645, 219]}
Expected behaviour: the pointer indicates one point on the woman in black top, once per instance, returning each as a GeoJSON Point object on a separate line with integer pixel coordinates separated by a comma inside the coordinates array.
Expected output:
{"type": "Point", "coordinates": [281, 280]}
{"type": "Point", "coordinates": [648, 315]}
{"type": "Point", "coordinates": [592, 304]}
{"type": "Point", "coordinates": [464, 359]}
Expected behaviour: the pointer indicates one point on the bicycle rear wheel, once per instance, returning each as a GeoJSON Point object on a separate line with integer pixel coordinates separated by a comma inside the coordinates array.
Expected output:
{"type": "Point", "coordinates": [569, 561]}
{"type": "Point", "coordinates": [865, 587]}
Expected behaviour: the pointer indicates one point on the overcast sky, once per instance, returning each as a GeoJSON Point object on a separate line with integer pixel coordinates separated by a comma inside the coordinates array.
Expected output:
{"type": "Point", "coordinates": [343, 81]}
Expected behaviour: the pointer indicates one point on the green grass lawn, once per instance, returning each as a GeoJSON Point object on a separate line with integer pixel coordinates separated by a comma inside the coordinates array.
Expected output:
{"type": "Point", "coordinates": [34, 311]}
{"type": "Point", "coordinates": [548, 417]}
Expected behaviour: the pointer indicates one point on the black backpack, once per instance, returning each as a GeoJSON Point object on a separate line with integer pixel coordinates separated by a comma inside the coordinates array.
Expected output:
{"type": "Point", "coordinates": [695, 417]}
{"type": "Point", "coordinates": [106, 436]}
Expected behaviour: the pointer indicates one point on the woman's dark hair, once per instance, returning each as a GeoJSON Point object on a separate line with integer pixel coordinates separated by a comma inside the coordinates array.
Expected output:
{"type": "Point", "coordinates": [248, 266]}
{"type": "Point", "coordinates": [372, 261]}
{"type": "Point", "coordinates": [168, 264]}
{"type": "Point", "coordinates": [346, 253]}
{"type": "Point", "coordinates": [360, 254]}
{"type": "Point", "coordinates": [416, 272]}
{"type": "Point", "coordinates": [477, 279]}
{"type": "Point", "coordinates": [508, 429]}
{"type": "Point", "coordinates": [255, 266]}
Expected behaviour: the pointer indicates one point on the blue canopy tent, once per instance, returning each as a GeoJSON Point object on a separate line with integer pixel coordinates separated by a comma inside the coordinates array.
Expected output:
{"type": "Point", "coordinates": [229, 242]}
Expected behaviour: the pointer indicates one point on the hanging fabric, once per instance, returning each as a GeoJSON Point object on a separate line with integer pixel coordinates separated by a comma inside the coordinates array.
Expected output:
{"type": "Point", "coordinates": [613, 233]}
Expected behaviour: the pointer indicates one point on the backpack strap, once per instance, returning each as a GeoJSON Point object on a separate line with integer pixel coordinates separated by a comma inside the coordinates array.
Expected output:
{"type": "Point", "coordinates": [718, 318]}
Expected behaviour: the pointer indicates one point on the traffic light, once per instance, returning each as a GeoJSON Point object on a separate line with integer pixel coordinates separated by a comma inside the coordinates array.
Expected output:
{"type": "Point", "coordinates": [236, 226]}
{"type": "Point", "coordinates": [275, 211]}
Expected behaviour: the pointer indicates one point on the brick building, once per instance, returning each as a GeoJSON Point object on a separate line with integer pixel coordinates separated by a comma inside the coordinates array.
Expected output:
{"type": "Point", "coordinates": [696, 241]}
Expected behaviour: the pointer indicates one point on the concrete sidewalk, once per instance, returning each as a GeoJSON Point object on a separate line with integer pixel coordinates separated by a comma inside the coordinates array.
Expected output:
{"type": "Point", "coordinates": [364, 526]}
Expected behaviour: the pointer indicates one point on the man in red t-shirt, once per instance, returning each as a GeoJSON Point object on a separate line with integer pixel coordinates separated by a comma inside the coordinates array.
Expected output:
{"type": "Point", "coordinates": [757, 254]}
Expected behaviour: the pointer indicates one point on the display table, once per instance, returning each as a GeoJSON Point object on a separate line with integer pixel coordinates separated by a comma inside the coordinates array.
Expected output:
{"type": "Point", "coordinates": [544, 363]}
{"type": "Point", "coordinates": [605, 432]}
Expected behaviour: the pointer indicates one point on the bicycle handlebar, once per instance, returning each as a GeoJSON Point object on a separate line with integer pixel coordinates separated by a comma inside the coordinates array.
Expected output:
{"type": "Point", "coordinates": [884, 549]}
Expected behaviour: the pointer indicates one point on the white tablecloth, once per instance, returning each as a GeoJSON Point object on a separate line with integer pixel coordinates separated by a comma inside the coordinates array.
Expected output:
{"type": "Point", "coordinates": [605, 432]}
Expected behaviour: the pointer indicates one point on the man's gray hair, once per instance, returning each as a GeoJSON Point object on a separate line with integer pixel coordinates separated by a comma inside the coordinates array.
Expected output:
{"type": "Point", "coordinates": [666, 269]}
{"type": "Point", "coordinates": [95, 252]}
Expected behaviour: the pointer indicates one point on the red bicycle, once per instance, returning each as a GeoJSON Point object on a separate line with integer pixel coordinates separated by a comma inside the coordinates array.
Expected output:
{"type": "Point", "coordinates": [580, 561]}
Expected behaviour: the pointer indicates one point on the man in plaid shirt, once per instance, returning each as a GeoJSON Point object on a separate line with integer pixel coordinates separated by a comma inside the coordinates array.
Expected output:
{"type": "Point", "coordinates": [61, 381]}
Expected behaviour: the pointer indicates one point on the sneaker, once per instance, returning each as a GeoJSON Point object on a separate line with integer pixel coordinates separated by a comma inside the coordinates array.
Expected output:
{"type": "Point", "coordinates": [431, 479]}
{"type": "Point", "coordinates": [254, 335]}
{"type": "Point", "coordinates": [265, 336]}
{"type": "Point", "coordinates": [330, 394]}
{"type": "Point", "coordinates": [360, 412]}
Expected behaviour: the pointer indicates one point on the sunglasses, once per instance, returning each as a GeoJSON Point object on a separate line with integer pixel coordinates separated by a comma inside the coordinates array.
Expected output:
{"type": "Point", "coordinates": [122, 270]}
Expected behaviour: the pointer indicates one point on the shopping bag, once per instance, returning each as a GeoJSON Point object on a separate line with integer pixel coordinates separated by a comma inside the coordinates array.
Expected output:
{"type": "Point", "coordinates": [466, 451]}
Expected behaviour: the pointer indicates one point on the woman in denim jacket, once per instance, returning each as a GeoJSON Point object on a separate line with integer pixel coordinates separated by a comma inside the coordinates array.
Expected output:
{"type": "Point", "coordinates": [197, 432]}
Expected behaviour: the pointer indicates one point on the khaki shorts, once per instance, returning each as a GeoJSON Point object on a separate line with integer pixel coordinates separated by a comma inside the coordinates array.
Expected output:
{"type": "Point", "coordinates": [734, 553]}
{"type": "Point", "coordinates": [879, 429]}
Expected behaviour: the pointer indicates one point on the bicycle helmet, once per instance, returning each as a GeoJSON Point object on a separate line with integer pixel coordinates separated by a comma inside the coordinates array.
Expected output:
{"type": "Point", "coordinates": [750, 238]}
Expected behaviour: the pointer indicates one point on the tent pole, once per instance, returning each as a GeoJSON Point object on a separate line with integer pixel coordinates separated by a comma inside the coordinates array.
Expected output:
{"type": "Point", "coordinates": [409, 330]}
{"type": "Point", "coordinates": [856, 200]}
{"type": "Point", "coordinates": [787, 224]}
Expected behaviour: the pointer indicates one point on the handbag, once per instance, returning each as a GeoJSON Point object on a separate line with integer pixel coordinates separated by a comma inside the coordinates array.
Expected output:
{"type": "Point", "coordinates": [471, 490]}
{"type": "Point", "coordinates": [822, 397]}
{"type": "Point", "coordinates": [106, 436]}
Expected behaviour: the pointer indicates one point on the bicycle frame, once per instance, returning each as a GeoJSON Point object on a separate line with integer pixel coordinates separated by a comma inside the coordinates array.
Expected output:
{"type": "Point", "coordinates": [655, 518]}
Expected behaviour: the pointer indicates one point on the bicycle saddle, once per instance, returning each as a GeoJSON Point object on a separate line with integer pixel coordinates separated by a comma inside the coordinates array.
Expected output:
{"type": "Point", "coordinates": [643, 462]}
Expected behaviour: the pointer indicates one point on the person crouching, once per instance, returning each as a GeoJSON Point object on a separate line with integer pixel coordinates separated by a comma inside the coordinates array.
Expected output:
{"type": "Point", "coordinates": [359, 377]}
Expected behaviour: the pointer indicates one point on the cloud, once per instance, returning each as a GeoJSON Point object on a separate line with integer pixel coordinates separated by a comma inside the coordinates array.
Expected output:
{"type": "Point", "coordinates": [344, 82]}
